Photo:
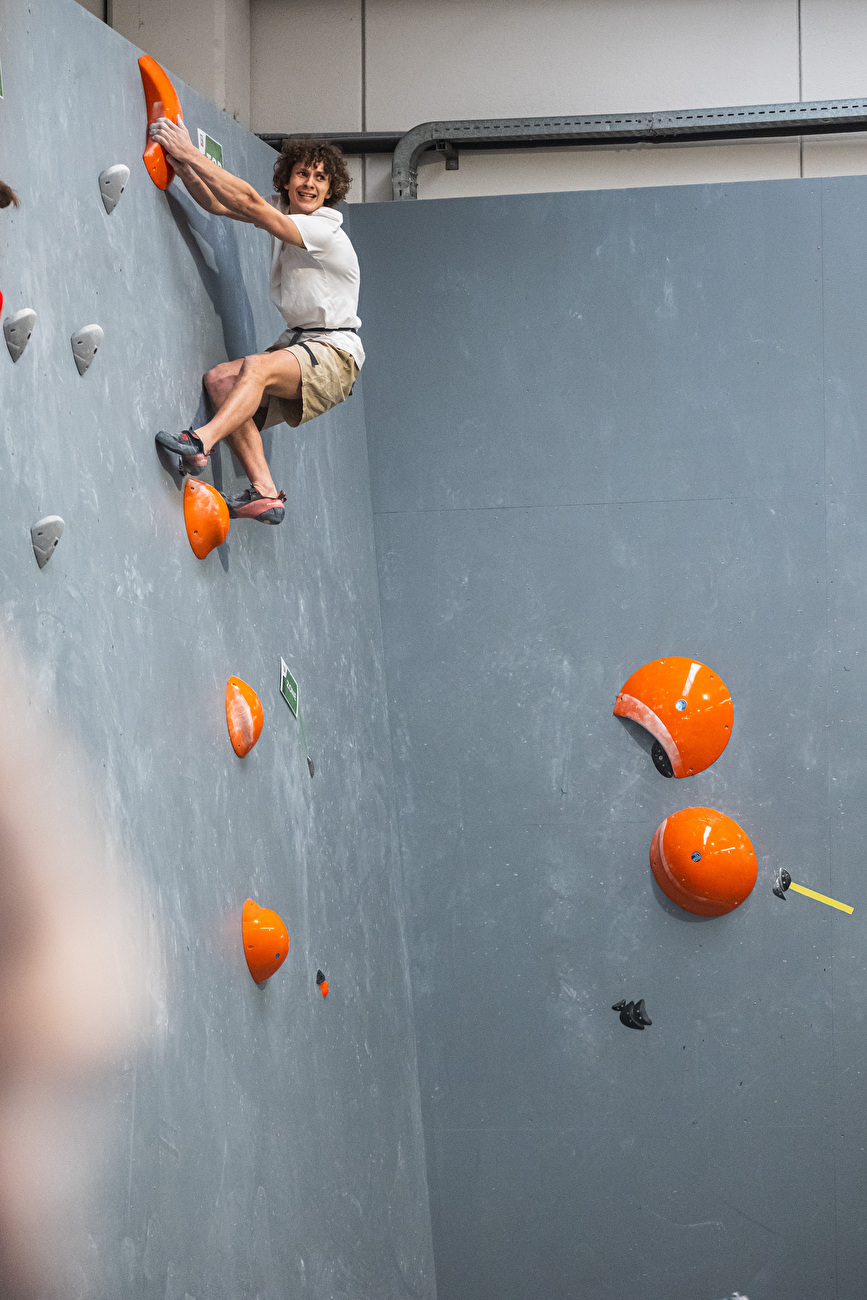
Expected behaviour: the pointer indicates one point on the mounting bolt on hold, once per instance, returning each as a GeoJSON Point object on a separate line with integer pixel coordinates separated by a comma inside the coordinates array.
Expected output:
{"type": "Point", "coordinates": [17, 329]}
{"type": "Point", "coordinates": [44, 535]}
{"type": "Point", "coordinates": [323, 983]}
{"type": "Point", "coordinates": [632, 1014]}
{"type": "Point", "coordinates": [112, 183]}
{"type": "Point", "coordinates": [85, 345]}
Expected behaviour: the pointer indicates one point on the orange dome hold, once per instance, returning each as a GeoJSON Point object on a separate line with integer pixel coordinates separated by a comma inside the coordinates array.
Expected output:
{"type": "Point", "coordinates": [266, 940]}
{"type": "Point", "coordinates": [685, 707]}
{"type": "Point", "coordinates": [703, 861]}
{"type": "Point", "coordinates": [206, 516]}
{"type": "Point", "coordinates": [244, 716]}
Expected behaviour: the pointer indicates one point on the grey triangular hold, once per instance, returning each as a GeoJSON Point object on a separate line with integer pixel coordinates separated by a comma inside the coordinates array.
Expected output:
{"type": "Point", "coordinates": [45, 534]}
{"type": "Point", "coordinates": [84, 345]}
{"type": "Point", "coordinates": [18, 327]}
{"type": "Point", "coordinates": [111, 185]}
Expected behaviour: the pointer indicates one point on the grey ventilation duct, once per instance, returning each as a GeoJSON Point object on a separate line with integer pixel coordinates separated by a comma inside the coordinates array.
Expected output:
{"type": "Point", "coordinates": [746, 122]}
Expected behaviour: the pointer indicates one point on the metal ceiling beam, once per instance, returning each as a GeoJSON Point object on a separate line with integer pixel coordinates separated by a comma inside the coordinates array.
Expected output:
{"type": "Point", "coordinates": [612, 130]}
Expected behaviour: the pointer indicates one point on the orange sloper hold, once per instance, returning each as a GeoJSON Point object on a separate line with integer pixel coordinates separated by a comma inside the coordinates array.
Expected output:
{"type": "Point", "coordinates": [703, 861]}
{"type": "Point", "coordinates": [266, 940]}
{"type": "Point", "coordinates": [686, 708]}
{"type": "Point", "coordinates": [244, 716]}
{"type": "Point", "coordinates": [162, 101]}
{"type": "Point", "coordinates": [206, 516]}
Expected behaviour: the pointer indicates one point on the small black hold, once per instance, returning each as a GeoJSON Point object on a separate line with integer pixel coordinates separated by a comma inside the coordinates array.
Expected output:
{"type": "Point", "coordinates": [661, 761]}
{"type": "Point", "coordinates": [781, 884]}
{"type": "Point", "coordinates": [627, 1017]}
{"type": "Point", "coordinates": [632, 1014]}
{"type": "Point", "coordinates": [320, 978]}
{"type": "Point", "coordinates": [310, 765]}
{"type": "Point", "coordinates": [641, 1014]}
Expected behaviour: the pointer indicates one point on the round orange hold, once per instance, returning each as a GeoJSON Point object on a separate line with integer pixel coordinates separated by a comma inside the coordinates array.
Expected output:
{"type": "Point", "coordinates": [206, 516]}
{"type": "Point", "coordinates": [161, 100]}
{"type": "Point", "coordinates": [244, 716]}
{"type": "Point", "coordinates": [703, 861]}
{"type": "Point", "coordinates": [266, 940]}
{"type": "Point", "coordinates": [685, 707]}
{"type": "Point", "coordinates": [324, 987]}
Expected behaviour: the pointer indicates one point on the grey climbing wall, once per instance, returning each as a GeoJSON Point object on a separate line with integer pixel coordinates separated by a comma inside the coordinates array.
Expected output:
{"type": "Point", "coordinates": [271, 1140]}
{"type": "Point", "coordinates": [605, 428]}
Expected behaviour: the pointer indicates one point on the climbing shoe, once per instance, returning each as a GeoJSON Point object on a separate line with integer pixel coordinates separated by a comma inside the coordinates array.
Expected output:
{"type": "Point", "coordinates": [252, 505]}
{"type": "Point", "coordinates": [191, 450]}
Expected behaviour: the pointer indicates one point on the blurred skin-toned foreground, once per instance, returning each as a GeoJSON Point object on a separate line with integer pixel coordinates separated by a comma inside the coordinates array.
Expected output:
{"type": "Point", "coordinates": [75, 961]}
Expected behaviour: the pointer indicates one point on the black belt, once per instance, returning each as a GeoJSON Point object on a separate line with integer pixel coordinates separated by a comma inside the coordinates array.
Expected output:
{"type": "Point", "coordinates": [312, 329]}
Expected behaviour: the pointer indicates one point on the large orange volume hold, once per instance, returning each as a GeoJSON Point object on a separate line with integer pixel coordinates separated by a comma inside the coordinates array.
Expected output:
{"type": "Point", "coordinates": [162, 101]}
{"type": "Point", "coordinates": [686, 708]}
{"type": "Point", "coordinates": [703, 861]}
{"type": "Point", "coordinates": [266, 940]}
{"type": "Point", "coordinates": [244, 716]}
{"type": "Point", "coordinates": [206, 516]}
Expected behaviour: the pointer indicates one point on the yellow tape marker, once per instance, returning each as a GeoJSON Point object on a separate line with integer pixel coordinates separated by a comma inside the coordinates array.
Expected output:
{"type": "Point", "coordinates": [820, 898]}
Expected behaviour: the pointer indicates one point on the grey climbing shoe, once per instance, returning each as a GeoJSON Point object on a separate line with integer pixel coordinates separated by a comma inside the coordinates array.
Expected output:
{"type": "Point", "coordinates": [252, 505]}
{"type": "Point", "coordinates": [191, 450]}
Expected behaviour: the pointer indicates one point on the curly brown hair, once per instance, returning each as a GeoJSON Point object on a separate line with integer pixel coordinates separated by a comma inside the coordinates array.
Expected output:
{"type": "Point", "coordinates": [301, 149]}
{"type": "Point", "coordinates": [7, 195]}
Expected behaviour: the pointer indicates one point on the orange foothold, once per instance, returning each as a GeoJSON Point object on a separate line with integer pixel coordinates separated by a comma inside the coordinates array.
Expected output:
{"type": "Point", "coordinates": [244, 716]}
{"type": "Point", "coordinates": [323, 983]}
{"type": "Point", "coordinates": [703, 861]}
{"type": "Point", "coordinates": [266, 940]}
{"type": "Point", "coordinates": [206, 516]}
{"type": "Point", "coordinates": [161, 101]}
{"type": "Point", "coordinates": [686, 708]}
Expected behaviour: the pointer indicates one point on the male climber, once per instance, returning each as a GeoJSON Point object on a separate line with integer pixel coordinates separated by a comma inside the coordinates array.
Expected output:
{"type": "Point", "coordinates": [314, 284]}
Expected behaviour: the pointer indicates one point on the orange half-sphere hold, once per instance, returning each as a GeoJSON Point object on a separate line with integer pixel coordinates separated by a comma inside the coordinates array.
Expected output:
{"type": "Point", "coordinates": [266, 940]}
{"type": "Point", "coordinates": [703, 861]}
{"type": "Point", "coordinates": [244, 716]}
{"type": "Point", "coordinates": [162, 101]}
{"type": "Point", "coordinates": [206, 516]}
{"type": "Point", "coordinates": [685, 706]}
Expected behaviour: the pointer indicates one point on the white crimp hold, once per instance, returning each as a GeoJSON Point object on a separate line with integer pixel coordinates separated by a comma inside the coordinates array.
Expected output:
{"type": "Point", "coordinates": [112, 183]}
{"type": "Point", "coordinates": [85, 343]}
{"type": "Point", "coordinates": [45, 534]}
{"type": "Point", "coordinates": [17, 329]}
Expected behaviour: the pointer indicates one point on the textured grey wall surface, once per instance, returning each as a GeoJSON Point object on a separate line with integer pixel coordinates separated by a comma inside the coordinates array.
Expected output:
{"type": "Point", "coordinates": [604, 428]}
{"type": "Point", "coordinates": [272, 1139]}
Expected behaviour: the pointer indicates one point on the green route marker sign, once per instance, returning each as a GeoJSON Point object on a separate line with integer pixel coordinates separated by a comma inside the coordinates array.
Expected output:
{"type": "Point", "coordinates": [288, 687]}
{"type": "Point", "coordinates": [210, 148]}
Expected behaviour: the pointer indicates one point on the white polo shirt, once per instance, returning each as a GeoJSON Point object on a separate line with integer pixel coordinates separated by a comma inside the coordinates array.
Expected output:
{"type": "Point", "coordinates": [316, 287]}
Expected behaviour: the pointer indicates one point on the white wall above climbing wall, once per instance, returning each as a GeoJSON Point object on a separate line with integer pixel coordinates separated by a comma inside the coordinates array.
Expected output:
{"type": "Point", "coordinates": [387, 65]}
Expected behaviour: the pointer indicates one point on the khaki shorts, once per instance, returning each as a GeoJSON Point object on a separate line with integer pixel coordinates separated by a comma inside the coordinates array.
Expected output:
{"type": "Point", "coordinates": [324, 383]}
